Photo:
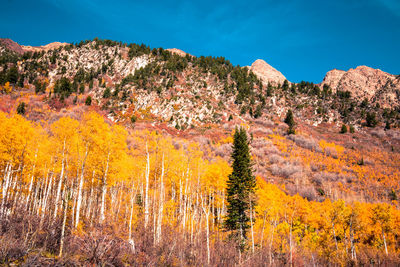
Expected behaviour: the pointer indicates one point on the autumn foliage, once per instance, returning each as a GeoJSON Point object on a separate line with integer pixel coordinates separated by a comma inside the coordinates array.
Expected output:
{"type": "Point", "coordinates": [86, 192]}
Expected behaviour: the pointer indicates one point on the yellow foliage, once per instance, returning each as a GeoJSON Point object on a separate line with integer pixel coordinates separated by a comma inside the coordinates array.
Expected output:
{"type": "Point", "coordinates": [7, 88]}
{"type": "Point", "coordinates": [184, 186]}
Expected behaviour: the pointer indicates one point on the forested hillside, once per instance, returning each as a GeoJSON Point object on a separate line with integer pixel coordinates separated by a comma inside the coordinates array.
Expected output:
{"type": "Point", "coordinates": [117, 154]}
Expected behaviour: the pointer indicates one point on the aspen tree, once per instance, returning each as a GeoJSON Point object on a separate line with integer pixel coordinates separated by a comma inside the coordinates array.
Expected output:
{"type": "Point", "coordinates": [161, 205]}
{"type": "Point", "coordinates": [146, 199]}
{"type": "Point", "coordinates": [206, 210]}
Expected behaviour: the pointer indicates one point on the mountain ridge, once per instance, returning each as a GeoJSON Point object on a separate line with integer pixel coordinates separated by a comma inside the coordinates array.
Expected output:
{"type": "Point", "coordinates": [260, 67]}
{"type": "Point", "coordinates": [184, 91]}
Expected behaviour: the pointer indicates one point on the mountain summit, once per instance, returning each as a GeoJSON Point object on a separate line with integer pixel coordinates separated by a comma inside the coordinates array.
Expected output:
{"type": "Point", "coordinates": [363, 82]}
{"type": "Point", "coordinates": [266, 72]}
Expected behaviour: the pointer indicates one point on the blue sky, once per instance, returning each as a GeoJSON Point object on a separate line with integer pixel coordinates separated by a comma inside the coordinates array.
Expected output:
{"type": "Point", "coordinates": [302, 39]}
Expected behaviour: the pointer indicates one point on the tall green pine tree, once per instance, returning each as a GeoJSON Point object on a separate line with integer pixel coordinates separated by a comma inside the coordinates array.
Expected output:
{"type": "Point", "coordinates": [289, 120]}
{"type": "Point", "coordinates": [240, 189]}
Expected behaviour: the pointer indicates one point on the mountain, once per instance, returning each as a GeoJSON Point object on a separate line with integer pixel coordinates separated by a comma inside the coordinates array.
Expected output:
{"type": "Point", "coordinates": [266, 72]}
{"type": "Point", "coordinates": [185, 91]}
{"type": "Point", "coordinates": [364, 83]}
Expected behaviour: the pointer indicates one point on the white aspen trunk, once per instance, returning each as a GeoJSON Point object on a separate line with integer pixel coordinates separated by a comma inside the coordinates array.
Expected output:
{"type": "Point", "coordinates": [63, 225]}
{"type": "Point", "coordinates": [34, 200]}
{"type": "Point", "coordinates": [206, 211]}
{"type": "Point", "coordinates": [173, 191]}
{"type": "Point", "coordinates": [119, 192]}
{"type": "Point", "coordinates": [252, 231]}
{"type": "Point", "coordinates": [28, 196]}
{"type": "Point", "coordinates": [180, 197]}
{"type": "Point", "coordinates": [31, 182]}
{"type": "Point", "coordinates": [6, 181]}
{"type": "Point", "coordinates": [74, 200]}
{"type": "Point", "coordinates": [90, 200]}
{"type": "Point", "coordinates": [44, 192]}
{"type": "Point", "coordinates": [192, 222]}
{"type": "Point", "coordinates": [154, 210]}
{"type": "Point", "coordinates": [262, 230]}
{"type": "Point", "coordinates": [185, 196]}
{"type": "Point", "coordinates": [161, 205]}
{"type": "Point", "coordinates": [146, 199]}
{"type": "Point", "coordinates": [353, 249]}
{"type": "Point", "coordinates": [104, 190]}
{"type": "Point", "coordinates": [56, 203]}
{"type": "Point", "coordinates": [79, 199]}
{"type": "Point", "coordinates": [384, 242]}
{"type": "Point", "coordinates": [334, 236]}
{"type": "Point", "coordinates": [290, 243]}
{"type": "Point", "coordinates": [130, 233]}
{"type": "Point", "coordinates": [47, 196]}
{"type": "Point", "coordinates": [9, 191]}
{"type": "Point", "coordinates": [15, 186]}
{"type": "Point", "coordinates": [213, 208]}
{"type": "Point", "coordinates": [271, 242]}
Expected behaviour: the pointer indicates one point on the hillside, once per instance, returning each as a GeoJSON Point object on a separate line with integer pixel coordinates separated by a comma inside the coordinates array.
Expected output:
{"type": "Point", "coordinates": [127, 148]}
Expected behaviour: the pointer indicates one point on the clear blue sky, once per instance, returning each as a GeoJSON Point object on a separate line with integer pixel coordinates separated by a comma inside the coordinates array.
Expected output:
{"type": "Point", "coordinates": [302, 39]}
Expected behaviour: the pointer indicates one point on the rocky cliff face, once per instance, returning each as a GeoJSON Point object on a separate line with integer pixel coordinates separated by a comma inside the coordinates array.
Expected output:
{"type": "Point", "coordinates": [266, 72]}
{"type": "Point", "coordinates": [332, 78]}
{"type": "Point", "coordinates": [362, 82]}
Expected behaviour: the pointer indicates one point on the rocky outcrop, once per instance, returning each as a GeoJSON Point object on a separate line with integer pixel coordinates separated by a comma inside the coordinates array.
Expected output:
{"type": "Point", "coordinates": [266, 72]}
{"type": "Point", "coordinates": [12, 46]}
{"type": "Point", "coordinates": [362, 82]}
{"type": "Point", "coordinates": [389, 95]}
{"type": "Point", "coordinates": [177, 51]}
{"type": "Point", "coordinates": [47, 47]}
{"type": "Point", "coordinates": [21, 49]}
{"type": "Point", "coordinates": [333, 77]}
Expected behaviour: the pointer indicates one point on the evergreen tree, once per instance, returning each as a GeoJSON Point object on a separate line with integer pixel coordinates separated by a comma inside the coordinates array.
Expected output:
{"type": "Point", "coordinates": [344, 129]}
{"type": "Point", "coordinates": [371, 119]}
{"type": "Point", "coordinates": [88, 101]}
{"type": "Point", "coordinates": [240, 189]}
{"type": "Point", "coordinates": [387, 125]}
{"type": "Point", "coordinates": [12, 75]}
{"type": "Point", "coordinates": [258, 112]}
{"type": "Point", "coordinates": [21, 109]}
{"type": "Point", "coordinates": [63, 87]}
{"type": "Point", "coordinates": [269, 90]}
{"type": "Point", "coordinates": [82, 88]}
{"type": "Point", "coordinates": [285, 86]}
{"type": "Point", "coordinates": [107, 93]}
{"type": "Point", "coordinates": [289, 120]}
{"type": "Point", "coordinates": [133, 119]}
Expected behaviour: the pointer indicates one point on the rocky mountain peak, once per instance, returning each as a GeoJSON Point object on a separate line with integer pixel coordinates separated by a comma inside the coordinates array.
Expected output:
{"type": "Point", "coordinates": [266, 72]}
{"type": "Point", "coordinates": [177, 51]}
{"type": "Point", "coordinates": [362, 82]}
{"type": "Point", "coordinates": [47, 47]}
{"type": "Point", "coordinates": [12, 46]}
{"type": "Point", "coordinates": [333, 77]}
